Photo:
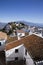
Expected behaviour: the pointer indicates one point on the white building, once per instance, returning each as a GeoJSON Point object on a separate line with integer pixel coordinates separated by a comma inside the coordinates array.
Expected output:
{"type": "Point", "coordinates": [28, 48]}
{"type": "Point", "coordinates": [19, 53]}
{"type": "Point", "coordinates": [16, 53]}
{"type": "Point", "coordinates": [17, 24]}
{"type": "Point", "coordinates": [20, 34]}
{"type": "Point", "coordinates": [38, 34]}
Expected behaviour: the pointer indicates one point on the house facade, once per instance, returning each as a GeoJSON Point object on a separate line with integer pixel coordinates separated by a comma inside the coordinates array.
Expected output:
{"type": "Point", "coordinates": [16, 53]}
{"type": "Point", "coordinates": [28, 48]}
{"type": "Point", "coordinates": [19, 53]}
{"type": "Point", "coordinates": [20, 34]}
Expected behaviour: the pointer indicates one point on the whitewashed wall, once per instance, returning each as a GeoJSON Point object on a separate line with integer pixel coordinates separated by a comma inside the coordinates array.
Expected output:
{"type": "Point", "coordinates": [19, 35]}
{"type": "Point", "coordinates": [10, 54]}
{"type": "Point", "coordinates": [2, 45]}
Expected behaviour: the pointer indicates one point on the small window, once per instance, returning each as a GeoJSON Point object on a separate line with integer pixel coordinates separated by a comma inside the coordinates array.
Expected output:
{"type": "Point", "coordinates": [0, 43]}
{"type": "Point", "coordinates": [25, 51]}
{"type": "Point", "coordinates": [16, 50]}
{"type": "Point", "coordinates": [16, 58]}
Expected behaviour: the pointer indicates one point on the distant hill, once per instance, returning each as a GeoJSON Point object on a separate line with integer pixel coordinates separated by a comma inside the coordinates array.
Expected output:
{"type": "Point", "coordinates": [32, 24]}
{"type": "Point", "coordinates": [2, 25]}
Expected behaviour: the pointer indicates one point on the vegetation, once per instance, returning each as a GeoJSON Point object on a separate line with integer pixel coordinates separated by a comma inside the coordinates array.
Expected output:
{"type": "Point", "coordinates": [14, 27]}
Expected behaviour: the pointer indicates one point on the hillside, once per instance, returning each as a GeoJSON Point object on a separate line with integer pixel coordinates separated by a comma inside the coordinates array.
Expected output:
{"type": "Point", "coordinates": [9, 27]}
{"type": "Point", "coordinates": [2, 25]}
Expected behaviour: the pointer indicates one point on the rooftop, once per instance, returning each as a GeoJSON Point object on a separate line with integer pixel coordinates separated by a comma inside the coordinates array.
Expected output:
{"type": "Point", "coordinates": [3, 36]}
{"type": "Point", "coordinates": [20, 31]}
{"type": "Point", "coordinates": [33, 43]}
{"type": "Point", "coordinates": [10, 39]}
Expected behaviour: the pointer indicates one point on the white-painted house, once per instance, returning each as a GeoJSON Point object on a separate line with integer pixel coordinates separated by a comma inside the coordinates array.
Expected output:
{"type": "Point", "coordinates": [19, 53]}
{"type": "Point", "coordinates": [16, 53]}
{"type": "Point", "coordinates": [20, 33]}
{"type": "Point", "coordinates": [27, 48]}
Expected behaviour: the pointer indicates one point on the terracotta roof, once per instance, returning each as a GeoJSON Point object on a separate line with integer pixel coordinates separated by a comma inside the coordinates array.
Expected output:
{"type": "Point", "coordinates": [10, 39]}
{"type": "Point", "coordinates": [3, 35]}
{"type": "Point", "coordinates": [33, 43]}
{"type": "Point", "coordinates": [20, 31]}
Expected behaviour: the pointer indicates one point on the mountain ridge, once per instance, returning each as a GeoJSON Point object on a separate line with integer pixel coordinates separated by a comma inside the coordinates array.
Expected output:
{"type": "Point", "coordinates": [32, 24]}
{"type": "Point", "coordinates": [25, 22]}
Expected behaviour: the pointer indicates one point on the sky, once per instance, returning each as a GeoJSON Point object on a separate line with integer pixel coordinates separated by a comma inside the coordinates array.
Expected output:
{"type": "Point", "coordinates": [21, 10]}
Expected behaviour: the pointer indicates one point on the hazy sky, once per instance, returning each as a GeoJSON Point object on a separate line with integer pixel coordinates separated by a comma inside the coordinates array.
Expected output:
{"type": "Point", "coordinates": [27, 10]}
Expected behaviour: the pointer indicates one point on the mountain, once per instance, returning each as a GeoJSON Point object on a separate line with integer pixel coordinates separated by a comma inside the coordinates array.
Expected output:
{"type": "Point", "coordinates": [32, 24]}
{"type": "Point", "coordinates": [2, 25]}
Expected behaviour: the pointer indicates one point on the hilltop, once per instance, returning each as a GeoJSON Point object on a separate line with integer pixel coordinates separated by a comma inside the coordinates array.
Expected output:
{"type": "Point", "coordinates": [9, 27]}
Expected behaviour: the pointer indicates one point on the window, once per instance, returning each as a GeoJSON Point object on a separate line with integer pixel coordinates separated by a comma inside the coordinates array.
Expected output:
{"type": "Point", "coordinates": [16, 50]}
{"type": "Point", "coordinates": [25, 51]}
{"type": "Point", "coordinates": [0, 43]}
{"type": "Point", "coordinates": [16, 58]}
